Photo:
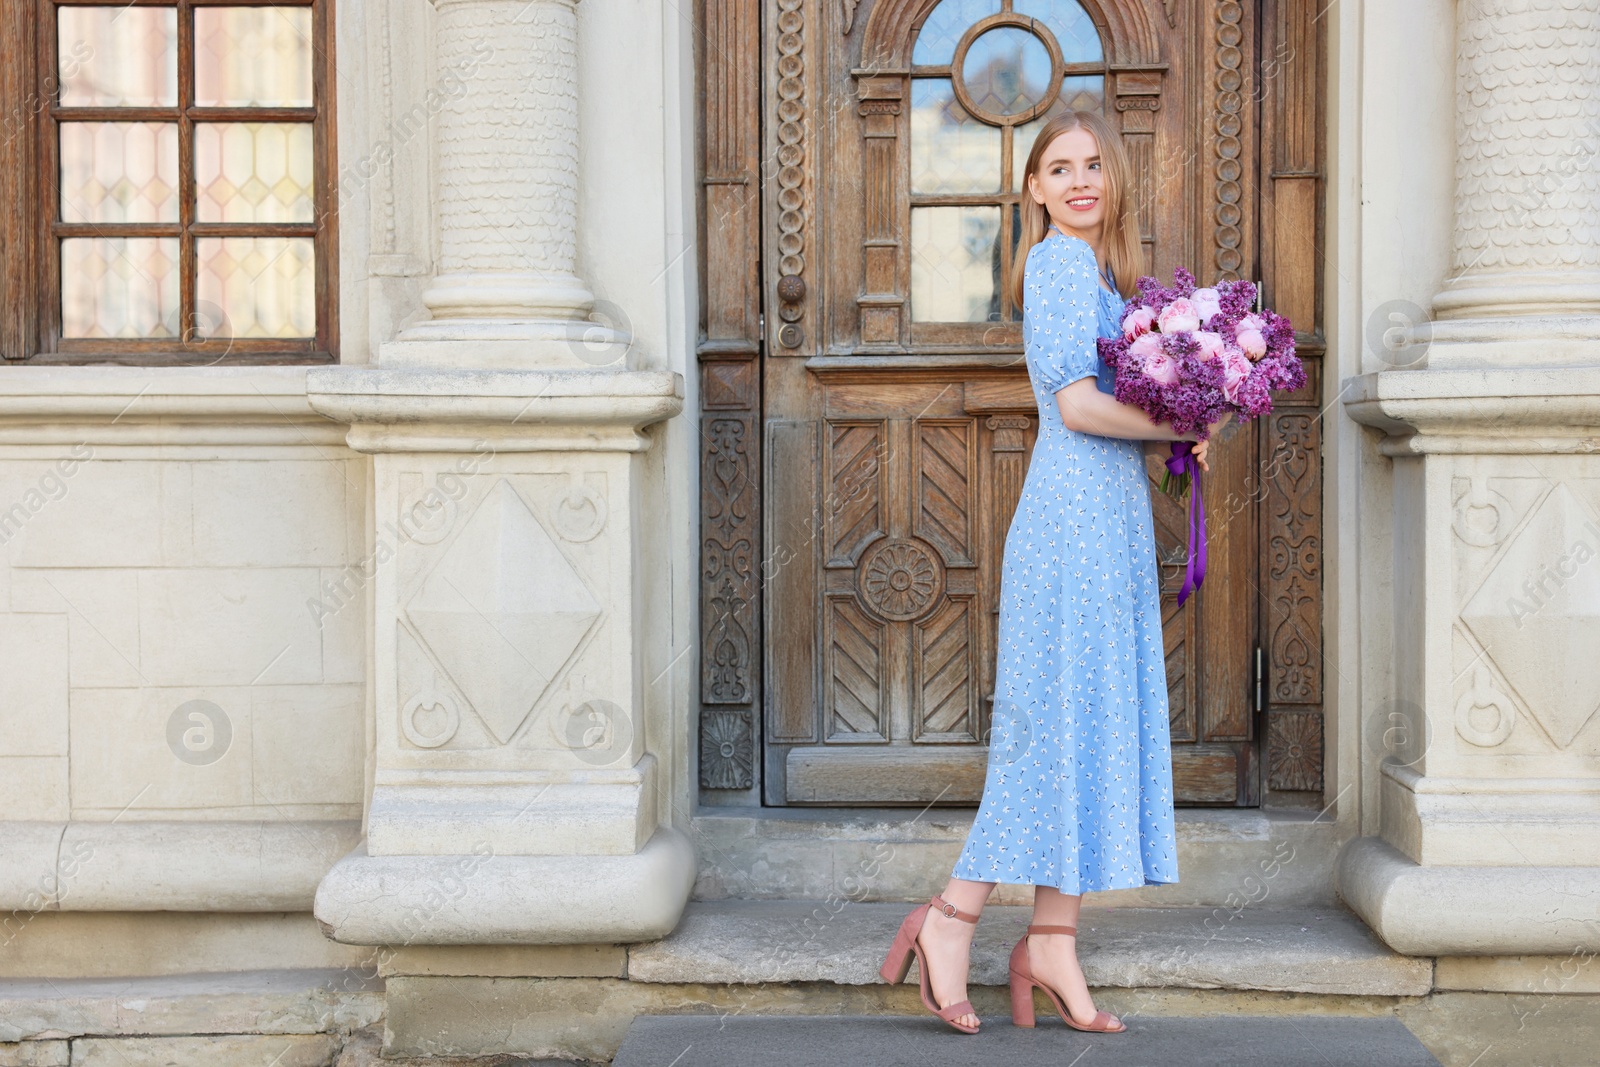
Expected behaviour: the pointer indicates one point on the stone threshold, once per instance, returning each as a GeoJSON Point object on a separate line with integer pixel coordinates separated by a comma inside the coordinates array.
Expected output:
{"type": "Point", "coordinates": [1227, 857]}
{"type": "Point", "coordinates": [1320, 950]}
{"type": "Point", "coordinates": [230, 1003]}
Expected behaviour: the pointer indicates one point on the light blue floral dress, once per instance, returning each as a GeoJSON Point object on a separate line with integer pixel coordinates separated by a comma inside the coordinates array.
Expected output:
{"type": "Point", "coordinates": [1079, 788]}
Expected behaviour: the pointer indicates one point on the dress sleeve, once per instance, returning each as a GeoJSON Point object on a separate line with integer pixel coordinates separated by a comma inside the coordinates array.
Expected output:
{"type": "Point", "coordinates": [1063, 321]}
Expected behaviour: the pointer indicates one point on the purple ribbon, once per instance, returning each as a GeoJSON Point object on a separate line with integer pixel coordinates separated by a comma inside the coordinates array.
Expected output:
{"type": "Point", "coordinates": [1183, 462]}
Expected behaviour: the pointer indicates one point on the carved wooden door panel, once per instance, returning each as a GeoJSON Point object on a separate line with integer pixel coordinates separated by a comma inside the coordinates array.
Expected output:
{"type": "Point", "coordinates": [895, 416]}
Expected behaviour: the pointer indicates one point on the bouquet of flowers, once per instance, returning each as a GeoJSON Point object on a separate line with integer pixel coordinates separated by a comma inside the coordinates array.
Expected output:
{"type": "Point", "coordinates": [1187, 355]}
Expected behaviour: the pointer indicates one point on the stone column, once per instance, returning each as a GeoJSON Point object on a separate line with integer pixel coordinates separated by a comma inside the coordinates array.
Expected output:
{"type": "Point", "coordinates": [519, 789]}
{"type": "Point", "coordinates": [506, 289]}
{"type": "Point", "coordinates": [1525, 267]}
{"type": "Point", "coordinates": [1488, 753]}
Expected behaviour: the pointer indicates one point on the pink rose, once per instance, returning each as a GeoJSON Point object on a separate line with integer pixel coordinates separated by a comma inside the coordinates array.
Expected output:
{"type": "Point", "coordinates": [1208, 303]}
{"type": "Point", "coordinates": [1254, 322]}
{"type": "Point", "coordinates": [1146, 345]}
{"type": "Point", "coordinates": [1138, 322]}
{"type": "Point", "coordinates": [1211, 344]}
{"type": "Point", "coordinates": [1179, 316]}
{"type": "Point", "coordinates": [1252, 342]}
{"type": "Point", "coordinates": [1160, 367]}
{"type": "Point", "coordinates": [1235, 369]}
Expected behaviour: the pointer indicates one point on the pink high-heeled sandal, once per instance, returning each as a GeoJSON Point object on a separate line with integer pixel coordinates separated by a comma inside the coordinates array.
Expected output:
{"type": "Point", "coordinates": [1023, 981]}
{"type": "Point", "coordinates": [898, 963]}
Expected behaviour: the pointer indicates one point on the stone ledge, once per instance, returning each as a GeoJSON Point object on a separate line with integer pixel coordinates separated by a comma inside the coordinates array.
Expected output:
{"type": "Point", "coordinates": [1295, 950]}
{"type": "Point", "coordinates": [427, 410]}
{"type": "Point", "coordinates": [585, 1018]}
{"type": "Point", "coordinates": [1469, 911]}
{"type": "Point", "coordinates": [246, 1002]}
{"type": "Point", "coordinates": [897, 854]}
{"type": "Point", "coordinates": [492, 899]}
{"type": "Point", "coordinates": [168, 865]}
{"type": "Point", "coordinates": [230, 1050]}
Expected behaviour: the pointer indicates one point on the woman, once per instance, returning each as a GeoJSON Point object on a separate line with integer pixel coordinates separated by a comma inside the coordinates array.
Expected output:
{"type": "Point", "coordinates": [1079, 789]}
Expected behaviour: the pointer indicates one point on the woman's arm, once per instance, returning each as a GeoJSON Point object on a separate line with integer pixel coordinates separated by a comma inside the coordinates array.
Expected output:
{"type": "Point", "coordinates": [1086, 409]}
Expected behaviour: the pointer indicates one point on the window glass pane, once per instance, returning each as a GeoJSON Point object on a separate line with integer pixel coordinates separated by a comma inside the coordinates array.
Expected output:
{"type": "Point", "coordinates": [260, 286]}
{"type": "Point", "coordinates": [1074, 29]}
{"type": "Point", "coordinates": [117, 56]}
{"type": "Point", "coordinates": [253, 172]}
{"type": "Point", "coordinates": [936, 40]}
{"type": "Point", "coordinates": [119, 286]}
{"type": "Point", "coordinates": [246, 56]}
{"type": "Point", "coordinates": [1084, 92]}
{"type": "Point", "coordinates": [955, 264]}
{"type": "Point", "coordinates": [1006, 70]}
{"type": "Point", "coordinates": [119, 172]}
{"type": "Point", "coordinates": [951, 152]}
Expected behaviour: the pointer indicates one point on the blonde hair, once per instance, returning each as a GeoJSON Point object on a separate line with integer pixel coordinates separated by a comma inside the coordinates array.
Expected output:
{"type": "Point", "coordinates": [1120, 231]}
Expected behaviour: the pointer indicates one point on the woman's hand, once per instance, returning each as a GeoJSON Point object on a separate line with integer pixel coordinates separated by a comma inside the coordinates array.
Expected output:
{"type": "Point", "coordinates": [1198, 448]}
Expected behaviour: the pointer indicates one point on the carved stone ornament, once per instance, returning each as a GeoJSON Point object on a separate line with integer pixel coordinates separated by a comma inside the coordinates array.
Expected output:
{"type": "Point", "coordinates": [430, 719]}
{"type": "Point", "coordinates": [1537, 617]}
{"type": "Point", "coordinates": [503, 611]}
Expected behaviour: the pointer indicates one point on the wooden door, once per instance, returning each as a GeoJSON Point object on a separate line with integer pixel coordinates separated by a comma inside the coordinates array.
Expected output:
{"type": "Point", "coordinates": [874, 438]}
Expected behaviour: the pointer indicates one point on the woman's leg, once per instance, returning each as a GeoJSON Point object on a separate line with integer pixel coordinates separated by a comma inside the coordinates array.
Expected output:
{"type": "Point", "coordinates": [947, 943]}
{"type": "Point", "coordinates": [1054, 957]}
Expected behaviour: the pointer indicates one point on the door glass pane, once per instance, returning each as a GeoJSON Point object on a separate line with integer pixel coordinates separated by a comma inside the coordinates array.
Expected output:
{"type": "Point", "coordinates": [119, 172]}
{"type": "Point", "coordinates": [252, 56]}
{"type": "Point", "coordinates": [1084, 92]}
{"type": "Point", "coordinates": [1006, 70]}
{"type": "Point", "coordinates": [936, 40]}
{"type": "Point", "coordinates": [253, 171]}
{"type": "Point", "coordinates": [122, 56]}
{"type": "Point", "coordinates": [119, 286]}
{"type": "Point", "coordinates": [1016, 239]}
{"type": "Point", "coordinates": [955, 264]}
{"type": "Point", "coordinates": [1074, 29]}
{"type": "Point", "coordinates": [951, 152]}
{"type": "Point", "coordinates": [257, 286]}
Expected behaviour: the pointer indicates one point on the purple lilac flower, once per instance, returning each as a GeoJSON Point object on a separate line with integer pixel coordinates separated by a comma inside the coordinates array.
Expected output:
{"type": "Point", "coordinates": [1198, 399]}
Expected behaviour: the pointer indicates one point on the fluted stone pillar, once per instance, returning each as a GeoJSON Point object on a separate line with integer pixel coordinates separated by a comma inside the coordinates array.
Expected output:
{"type": "Point", "coordinates": [1488, 753]}
{"type": "Point", "coordinates": [1525, 266]}
{"type": "Point", "coordinates": [506, 289]}
{"type": "Point", "coordinates": [519, 787]}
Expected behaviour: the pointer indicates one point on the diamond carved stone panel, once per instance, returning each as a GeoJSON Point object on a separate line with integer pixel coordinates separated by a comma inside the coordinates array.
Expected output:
{"type": "Point", "coordinates": [1537, 615]}
{"type": "Point", "coordinates": [503, 611]}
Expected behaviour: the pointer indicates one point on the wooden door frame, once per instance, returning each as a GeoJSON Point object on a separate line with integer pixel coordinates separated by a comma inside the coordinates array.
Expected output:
{"type": "Point", "coordinates": [1267, 60]}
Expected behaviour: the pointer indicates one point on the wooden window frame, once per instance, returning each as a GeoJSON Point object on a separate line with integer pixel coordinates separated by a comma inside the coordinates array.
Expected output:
{"type": "Point", "coordinates": [30, 216]}
{"type": "Point", "coordinates": [947, 335]}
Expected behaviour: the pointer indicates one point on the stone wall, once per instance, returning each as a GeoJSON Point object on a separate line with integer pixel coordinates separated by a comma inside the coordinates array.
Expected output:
{"type": "Point", "coordinates": [182, 705]}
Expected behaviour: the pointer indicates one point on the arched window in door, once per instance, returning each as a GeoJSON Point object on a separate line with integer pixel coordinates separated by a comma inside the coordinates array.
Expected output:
{"type": "Point", "coordinates": [986, 75]}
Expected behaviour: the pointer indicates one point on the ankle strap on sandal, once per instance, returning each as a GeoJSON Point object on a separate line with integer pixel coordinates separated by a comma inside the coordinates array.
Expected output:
{"type": "Point", "coordinates": [1032, 929]}
{"type": "Point", "coordinates": [946, 908]}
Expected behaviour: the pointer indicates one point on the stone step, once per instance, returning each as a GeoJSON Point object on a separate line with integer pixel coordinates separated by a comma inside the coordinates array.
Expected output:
{"type": "Point", "coordinates": [1324, 950]}
{"type": "Point", "coordinates": [826, 1041]}
{"type": "Point", "coordinates": [312, 1002]}
{"type": "Point", "coordinates": [1226, 856]}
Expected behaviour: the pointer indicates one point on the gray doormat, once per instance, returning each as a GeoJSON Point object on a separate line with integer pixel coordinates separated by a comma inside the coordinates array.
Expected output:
{"type": "Point", "coordinates": [901, 1041]}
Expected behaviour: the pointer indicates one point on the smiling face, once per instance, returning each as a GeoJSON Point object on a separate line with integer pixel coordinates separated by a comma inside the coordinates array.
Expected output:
{"type": "Point", "coordinates": [1070, 184]}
